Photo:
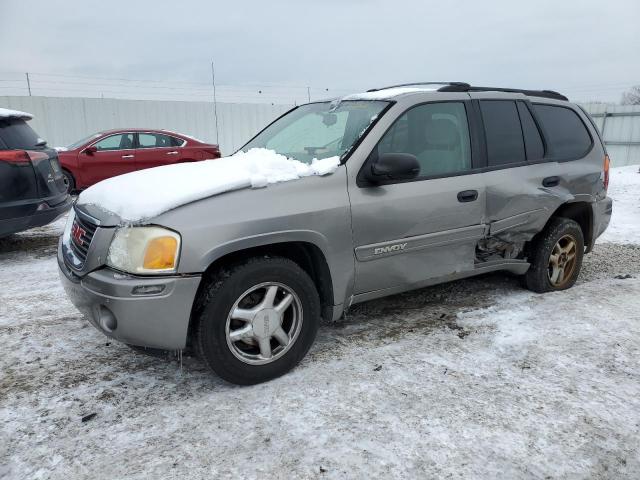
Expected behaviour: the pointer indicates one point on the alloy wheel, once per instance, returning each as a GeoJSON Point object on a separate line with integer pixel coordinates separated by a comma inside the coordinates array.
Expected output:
{"type": "Point", "coordinates": [264, 323]}
{"type": "Point", "coordinates": [562, 261]}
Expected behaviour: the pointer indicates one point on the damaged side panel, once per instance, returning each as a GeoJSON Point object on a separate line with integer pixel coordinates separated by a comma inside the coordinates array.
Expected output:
{"type": "Point", "coordinates": [518, 203]}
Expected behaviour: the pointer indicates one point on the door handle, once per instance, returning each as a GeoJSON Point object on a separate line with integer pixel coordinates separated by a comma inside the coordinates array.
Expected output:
{"type": "Point", "coordinates": [551, 182]}
{"type": "Point", "coordinates": [127, 156]}
{"type": "Point", "coordinates": [172, 153]}
{"type": "Point", "coordinates": [467, 196]}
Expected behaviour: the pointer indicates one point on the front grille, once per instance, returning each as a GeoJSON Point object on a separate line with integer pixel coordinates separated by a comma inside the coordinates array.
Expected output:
{"type": "Point", "coordinates": [82, 232]}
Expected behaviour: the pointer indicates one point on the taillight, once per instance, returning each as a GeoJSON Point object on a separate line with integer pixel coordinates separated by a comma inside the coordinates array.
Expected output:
{"type": "Point", "coordinates": [17, 157]}
{"type": "Point", "coordinates": [605, 171]}
{"type": "Point", "coordinates": [21, 157]}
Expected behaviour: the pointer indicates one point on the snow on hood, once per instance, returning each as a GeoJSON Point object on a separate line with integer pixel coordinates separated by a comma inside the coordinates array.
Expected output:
{"type": "Point", "coordinates": [7, 113]}
{"type": "Point", "coordinates": [144, 194]}
{"type": "Point", "coordinates": [61, 149]}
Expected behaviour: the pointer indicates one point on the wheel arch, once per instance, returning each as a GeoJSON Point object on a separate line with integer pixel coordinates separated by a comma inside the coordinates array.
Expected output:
{"type": "Point", "coordinates": [310, 256]}
{"type": "Point", "coordinates": [583, 214]}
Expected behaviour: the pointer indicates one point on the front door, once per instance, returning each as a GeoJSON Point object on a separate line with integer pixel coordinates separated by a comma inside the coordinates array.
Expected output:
{"type": "Point", "coordinates": [408, 232]}
{"type": "Point", "coordinates": [114, 156]}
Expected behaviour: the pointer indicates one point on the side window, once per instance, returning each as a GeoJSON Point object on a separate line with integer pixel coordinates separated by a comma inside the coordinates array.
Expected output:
{"type": "Point", "coordinates": [176, 142]}
{"type": "Point", "coordinates": [116, 142]}
{"type": "Point", "coordinates": [566, 134]}
{"type": "Point", "coordinates": [154, 140]}
{"type": "Point", "coordinates": [436, 133]}
{"type": "Point", "coordinates": [505, 144]}
{"type": "Point", "coordinates": [532, 139]}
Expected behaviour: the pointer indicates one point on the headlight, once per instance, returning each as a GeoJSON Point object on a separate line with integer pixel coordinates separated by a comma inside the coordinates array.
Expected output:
{"type": "Point", "coordinates": [144, 250]}
{"type": "Point", "coordinates": [66, 235]}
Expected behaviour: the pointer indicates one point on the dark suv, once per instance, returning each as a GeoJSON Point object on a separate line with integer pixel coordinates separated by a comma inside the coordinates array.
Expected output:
{"type": "Point", "coordinates": [32, 188]}
{"type": "Point", "coordinates": [431, 183]}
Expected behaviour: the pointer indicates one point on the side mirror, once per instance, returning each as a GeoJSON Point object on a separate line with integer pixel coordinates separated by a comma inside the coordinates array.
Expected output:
{"type": "Point", "coordinates": [393, 166]}
{"type": "Point", "coordinates": [90, 150]}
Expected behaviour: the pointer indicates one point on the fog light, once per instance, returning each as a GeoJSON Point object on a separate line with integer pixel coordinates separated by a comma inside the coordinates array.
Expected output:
{"type": "Point", "coordinates": [107, 319]}
{"type": "Point", "coordinates": [147, 290]}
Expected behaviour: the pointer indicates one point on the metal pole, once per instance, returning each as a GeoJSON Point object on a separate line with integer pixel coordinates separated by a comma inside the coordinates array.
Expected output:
{"type": "Point", "coordinates": [28, 83]}
{"type": "Point", "coordinates": [215, 103]}
{"type": "Point", "coordinates": [309, 94]}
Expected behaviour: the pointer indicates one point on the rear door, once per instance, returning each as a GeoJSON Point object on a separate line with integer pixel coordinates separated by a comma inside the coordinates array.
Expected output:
{"type": "Point", "coordinates": [155, 149]}
{"type": "Point", "coordinates": [520, 180]}
{"type": "Point", "coordinates": [115, 155]}
{"type": "Point", "coordinates": [407, 232]}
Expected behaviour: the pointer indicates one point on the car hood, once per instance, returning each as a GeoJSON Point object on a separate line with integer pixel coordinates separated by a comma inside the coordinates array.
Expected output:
{"type": "Point", "coordinates": [137, 197]}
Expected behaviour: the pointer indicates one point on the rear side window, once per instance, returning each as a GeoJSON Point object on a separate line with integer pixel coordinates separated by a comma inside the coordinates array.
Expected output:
{"type": "Point", "coordinates": [567, 136]}
{"type": "Point", "coordinates": [505, 143]}
{"type": "Point", "coordinates": [436, 133]}
{"type": "Point", "coordinates": [176, 142]}
{"type": "Point", "coordinates": [532, 139]}
{"type": "Point", "coordinates": [156, 140]}
{"type": "Point", "coordinates": [16, 134]}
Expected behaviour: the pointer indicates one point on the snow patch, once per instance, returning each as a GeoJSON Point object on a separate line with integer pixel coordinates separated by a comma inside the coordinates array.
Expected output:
{"type": "Point", "coordinates": [390, 92]}
{"type": "Point", "coordinates": [144, 194]}
{"type": "Point", "coordinates": [624, 188]}
{"type": "Point", "coordinates": [7, 113]}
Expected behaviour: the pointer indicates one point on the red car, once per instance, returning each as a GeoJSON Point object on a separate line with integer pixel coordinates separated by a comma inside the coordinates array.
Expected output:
{"type": "Point", "coordinates": [114, 152]}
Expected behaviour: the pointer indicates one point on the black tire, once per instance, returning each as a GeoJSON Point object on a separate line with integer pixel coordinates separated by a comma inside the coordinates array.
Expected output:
{"type": "Point", "coordinates": [222, 292]}
{"type": "Point", "coordinates": [539, 276]}
{"type": "Point", "coordinates": [69, 181]}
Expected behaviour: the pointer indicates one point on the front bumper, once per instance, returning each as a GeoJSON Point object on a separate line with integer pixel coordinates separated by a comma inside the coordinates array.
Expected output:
{"type": "Point", "coordinates": [117, 305]}
{"type": "Point", "coordinates": [33, 217]}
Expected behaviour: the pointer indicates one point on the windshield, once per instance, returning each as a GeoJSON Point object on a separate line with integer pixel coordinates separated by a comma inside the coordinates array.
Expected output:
{"type": "Point", "coordinates": [318, 130]}
{"type": "Point", "coordinates": [79, 143]}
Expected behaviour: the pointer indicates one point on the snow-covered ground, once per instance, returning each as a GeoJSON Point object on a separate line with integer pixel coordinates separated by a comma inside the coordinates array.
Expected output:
{"type": "Point", "coordinates": [473, 379]}
{"type": "Point", "coordinates": [624, 188]}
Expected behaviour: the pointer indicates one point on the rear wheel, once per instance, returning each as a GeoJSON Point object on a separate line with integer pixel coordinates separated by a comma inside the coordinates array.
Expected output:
{"type": "Point", "coordinates": [257, 320]}
{"type": "Point", "coordinates": [555, 257]}
{"type": "Point", "coordinates": [69, 181]}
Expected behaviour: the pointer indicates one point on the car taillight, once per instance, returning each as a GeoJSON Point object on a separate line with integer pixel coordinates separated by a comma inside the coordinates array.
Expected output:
{"type": "Point", "coordinates": [21, 157]}
{"type": "Point", "coordinates": [605, 171]}
{"type": "Point", "coordinates": [213, 151]}
{"type": "Point", "coordinates": [17, 157]}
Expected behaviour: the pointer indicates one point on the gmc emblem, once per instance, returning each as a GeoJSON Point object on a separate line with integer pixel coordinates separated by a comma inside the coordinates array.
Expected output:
{"type": "Point", "coordinates": [76, 233]}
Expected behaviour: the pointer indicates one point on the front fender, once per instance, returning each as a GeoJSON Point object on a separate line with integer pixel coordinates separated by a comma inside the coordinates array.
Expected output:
{"type": "Point", "coordinates": [307, 236]}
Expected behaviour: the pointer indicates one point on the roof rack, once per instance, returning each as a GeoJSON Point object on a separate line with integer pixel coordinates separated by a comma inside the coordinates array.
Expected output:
{"type": "Point", "coordinates": [414, 84]}
{"type": "Point", "coordinates": [465, 87]}
{"type": "Point", "coordinates": [531, 93]}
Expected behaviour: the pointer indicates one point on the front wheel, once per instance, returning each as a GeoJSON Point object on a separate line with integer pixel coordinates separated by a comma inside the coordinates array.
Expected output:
{"type": "Point", "coordinates": [555, 257]}
{"type": "Point", "coordinates": [257, 320]}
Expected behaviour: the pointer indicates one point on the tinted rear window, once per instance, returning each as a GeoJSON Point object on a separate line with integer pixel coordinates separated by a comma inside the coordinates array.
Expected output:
{"type": "Point", "coordinates": [532, 139]}
{"type": "Point", "coordinates": [566, 135]}
{"type": "Point", "coordinates": [502, 128]}
{"type": "Point", "coordinates": [15, 133]}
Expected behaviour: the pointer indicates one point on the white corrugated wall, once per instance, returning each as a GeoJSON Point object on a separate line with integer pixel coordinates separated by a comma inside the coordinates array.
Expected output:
{"type": "Point", "coordinates": [621, 132]}
{"type": "Point", "coordinates": [62, 121]}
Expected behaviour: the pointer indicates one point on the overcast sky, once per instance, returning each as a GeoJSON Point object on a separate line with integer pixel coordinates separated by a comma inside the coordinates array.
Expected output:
{"type": "Point", "coordinates": [589, 50]}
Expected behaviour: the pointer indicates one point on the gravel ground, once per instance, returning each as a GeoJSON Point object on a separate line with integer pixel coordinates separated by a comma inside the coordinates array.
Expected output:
{"type": "Point", "coordinates": [476, 378]}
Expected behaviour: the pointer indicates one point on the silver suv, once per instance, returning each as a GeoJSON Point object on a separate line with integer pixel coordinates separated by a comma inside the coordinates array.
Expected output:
{"type": "Point", "coordinates": [435, 182]}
